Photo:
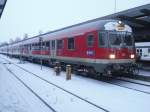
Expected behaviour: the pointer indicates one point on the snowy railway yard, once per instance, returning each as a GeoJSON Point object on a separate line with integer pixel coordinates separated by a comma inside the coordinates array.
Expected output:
{"type": "Point", "coordinates": [27, 88]}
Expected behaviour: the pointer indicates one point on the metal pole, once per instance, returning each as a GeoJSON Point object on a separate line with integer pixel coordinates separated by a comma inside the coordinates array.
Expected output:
{"type": "Point", "coordinates": [115, 7]}
{"type": "Point", "coordinates": [7, 50]}
{"type": "Point", "coordinates": [21, 53]}
{"type": "Point", "coordinates": [41, 52]}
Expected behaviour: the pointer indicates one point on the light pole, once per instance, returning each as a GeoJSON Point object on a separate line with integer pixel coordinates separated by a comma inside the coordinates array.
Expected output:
{"type": "Point", "coordinates": [21, 51]}
{"type": "Point", "coordinates": [40, 40]}
{"type": "Point", "coordinates": [7, 49]}
{"type": "Point", "coordinates": [115, 7]}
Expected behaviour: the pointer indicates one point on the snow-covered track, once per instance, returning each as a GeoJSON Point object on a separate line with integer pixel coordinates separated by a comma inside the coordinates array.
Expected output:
{"type": "Point", "coordinates": [83, 99]}
{"type": "Point", "coordinates": [107, 81]}
{"type": "Point", "coordinates": [42, 100]}
{"type": "Point", "coordinates": [125, 80]}
{"type": "Point", "coordinates": [116, 82]}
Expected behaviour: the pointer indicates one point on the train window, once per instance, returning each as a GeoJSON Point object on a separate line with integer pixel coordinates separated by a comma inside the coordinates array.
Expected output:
{"type": "Point", "coordinates": [128, 40]}
{"type": "Point", "coordinates": [149, 50]}
{"type": "Point", "coordinates": [90, 40]}
{"type": "Point", "coordinates": [140, 50]}
{"type": "Point", "coordinates": [137, 50]}
{"type": "Point", "coordinates": [53, 44]}
{"type": "Point", "coordinates": [71, 44]}
{"type": "Point", "coordinates": [47, 44]}
{"type": "Point", "coordinates": [59, 44]}
{"type": "Point", "coordinates": [43, 43]}
{"type": "Point", "coordinates": [114, 39]}
{"type": "Point", "coordinates": [30, 46]}
{"type": "Point", "coordinates": [43, 47]}
{"type": "Point", "coordinates": [102, 39]}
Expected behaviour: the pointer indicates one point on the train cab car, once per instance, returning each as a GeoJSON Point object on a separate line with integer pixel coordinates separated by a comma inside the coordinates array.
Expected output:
{"type": "Point", "coordinates": [104, 46]}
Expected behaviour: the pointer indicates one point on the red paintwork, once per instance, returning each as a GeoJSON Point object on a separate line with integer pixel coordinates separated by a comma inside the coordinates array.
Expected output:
{"type": "Point", "coordinates": [81, 49]}
{"type": "Point", "coordinates": [100, 53]}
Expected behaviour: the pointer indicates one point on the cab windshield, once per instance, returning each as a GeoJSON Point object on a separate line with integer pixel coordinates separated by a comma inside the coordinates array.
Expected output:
{"type": "Point", "coordinates": [120, 39]}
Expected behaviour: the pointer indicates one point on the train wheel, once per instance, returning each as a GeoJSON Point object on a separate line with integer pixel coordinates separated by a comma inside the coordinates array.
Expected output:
{"type": "Point", "coordinates": [135, 71]}
{"type": "Point", "coordinates": [91, 72]}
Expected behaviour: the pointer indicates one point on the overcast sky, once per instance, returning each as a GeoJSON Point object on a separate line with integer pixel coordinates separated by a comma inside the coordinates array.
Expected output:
{"type": "Point", "coordinates": [31, 16]}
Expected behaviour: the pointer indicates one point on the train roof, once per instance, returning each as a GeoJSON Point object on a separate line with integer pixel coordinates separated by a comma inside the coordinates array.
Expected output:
{"type": "Point", "coordinates": [70, 31]}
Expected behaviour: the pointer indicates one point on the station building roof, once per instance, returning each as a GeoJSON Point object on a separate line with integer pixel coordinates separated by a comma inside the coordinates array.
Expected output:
{"type": "Point", "coordinates": [2, 5]}
{"type": "Point", "coordinates": [138, 18]}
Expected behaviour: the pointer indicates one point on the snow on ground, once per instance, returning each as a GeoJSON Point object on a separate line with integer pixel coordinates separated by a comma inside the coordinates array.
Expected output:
{"type": "Point", "coordinates": [110, 97]}
{"type": "Point", "coordinates": [135, 80]}
{"type": "Point", "coordinates": [14, 97]}
{"type": "Point", "coordinates": [58, 99]}
{"type": "Point", "coordinates": [132, 85]}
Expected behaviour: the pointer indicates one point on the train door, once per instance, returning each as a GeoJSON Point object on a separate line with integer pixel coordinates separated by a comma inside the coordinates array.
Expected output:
{"type": "Point", "coordinates": [53, 48]}
{"type": "Point", "coordinates": [90, 43]}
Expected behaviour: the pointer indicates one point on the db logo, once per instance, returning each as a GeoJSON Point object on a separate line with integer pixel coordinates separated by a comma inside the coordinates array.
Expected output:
{"type": "Point", "coordinates": [90, 53]}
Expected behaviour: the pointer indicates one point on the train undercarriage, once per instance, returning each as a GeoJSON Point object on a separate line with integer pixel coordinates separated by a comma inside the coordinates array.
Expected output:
{"type": "Point", "coordinates": [88, 69]}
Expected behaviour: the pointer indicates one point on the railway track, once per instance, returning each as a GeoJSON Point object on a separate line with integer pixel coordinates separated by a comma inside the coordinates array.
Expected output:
{"type": "Point", "coordinates": [125, 80]}
{"type": "Point", "coordinates": [42, 100]}
{"type": "Point", "coordinates": [128, 87]}
{"type": "Point", "coordinates": [87, 101]}
{"type": "Point", "coordinates": [107, 81]}
{"type": "Point", "coordinates": [112, 81]}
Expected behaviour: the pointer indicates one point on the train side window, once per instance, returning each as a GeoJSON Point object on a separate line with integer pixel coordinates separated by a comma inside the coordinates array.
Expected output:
{"type": "Point", "coordinates": [90, 40]}
{"type": "Point", "coordinates": [53, 44]}
{"type": "Point", "coordinates": [71, 44]}
{"type": "Point", "coordinates": [102, 39]}
{"type": "Point", "coordinates": [30, 46]}
{"type": "Point", "coordinates": [140, 50]}
{"type": "Point", "coordinates": [148, 50]}
{"type": "Point", "coordinates": [43, 46]}
{"type": "Point", "coordinates": [59, 44]}
{"type": "Point", "coordinates": [137, 50]}
{"type": "Point", "coordinates": [47, 45]}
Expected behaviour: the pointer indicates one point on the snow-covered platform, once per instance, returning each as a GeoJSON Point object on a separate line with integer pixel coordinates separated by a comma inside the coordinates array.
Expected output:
{"type": "Point", "coordinates": [110, 97]}
{"type": "Point", "coordinates": [14, 97]}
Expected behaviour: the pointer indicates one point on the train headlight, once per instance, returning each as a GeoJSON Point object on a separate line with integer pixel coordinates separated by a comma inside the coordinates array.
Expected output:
{"type": "Point", "coordinates": [132, 56]}
{"type": "Point", "coordinates": [112, 56]}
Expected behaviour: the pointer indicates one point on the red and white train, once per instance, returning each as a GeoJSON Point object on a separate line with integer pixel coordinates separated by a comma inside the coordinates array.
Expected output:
{"type": "Point", "coordinates": [102, 46]}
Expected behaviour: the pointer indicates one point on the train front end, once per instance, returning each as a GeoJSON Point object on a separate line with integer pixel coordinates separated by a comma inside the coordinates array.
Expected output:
{"type": "Point", "coordinates": [121, 48]}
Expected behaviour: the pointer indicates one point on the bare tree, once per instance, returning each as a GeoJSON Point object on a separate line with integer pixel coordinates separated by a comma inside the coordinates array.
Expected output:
{"type": "Point", "coordinates": [3, 43]}
{"type": "Point", "coordinates": [40, 32]}
{"type": "Point", "coordinates": [11, 40]}
{"type": "Point", "coordinates": [25, 36]}
{"type": "Point", "coordinates": [17, 39]}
